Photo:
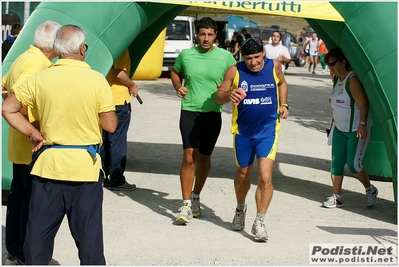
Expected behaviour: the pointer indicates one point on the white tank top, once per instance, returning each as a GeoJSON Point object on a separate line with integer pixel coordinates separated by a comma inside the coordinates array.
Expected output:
{"type": "Point", "coordinates": [346, 112]}
{"type": "Point", "coordinates": [313, 51]}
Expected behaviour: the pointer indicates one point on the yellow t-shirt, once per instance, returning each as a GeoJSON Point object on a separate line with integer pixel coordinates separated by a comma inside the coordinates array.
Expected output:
{"type": "Point", "coordinates": [27, 64]}
{"type": "Point", "coordinates": [68, 97]}
{"type": "Point", "coordinates": [120, 91]}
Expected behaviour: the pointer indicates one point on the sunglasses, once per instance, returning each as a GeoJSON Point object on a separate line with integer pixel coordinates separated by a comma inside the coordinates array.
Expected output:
{"type": "Point", "coordinates": [86, 47]}
{"type": "Point", "coordinates": [331, 64]}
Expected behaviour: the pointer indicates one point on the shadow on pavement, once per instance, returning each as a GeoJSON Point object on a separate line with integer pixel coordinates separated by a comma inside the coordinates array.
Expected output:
{"type": "Point", "coordinates": [166, 159]}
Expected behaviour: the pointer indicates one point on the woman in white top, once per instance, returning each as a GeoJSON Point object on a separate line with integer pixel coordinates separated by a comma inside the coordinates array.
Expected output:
{"type": "Point", "coordinates": [313, 44]}
{"type": "Point", "coordinates": [350, 128]}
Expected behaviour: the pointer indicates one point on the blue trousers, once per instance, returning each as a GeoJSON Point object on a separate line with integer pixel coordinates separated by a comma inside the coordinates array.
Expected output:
{"type": "Point", "coordinates": [17, 210]}
{"type": "Point", "coordinates": [114, 148]}
{"type": "Point", "coordinates": [50, 201]}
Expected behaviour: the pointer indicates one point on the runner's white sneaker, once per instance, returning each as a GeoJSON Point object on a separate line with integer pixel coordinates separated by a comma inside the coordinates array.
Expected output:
{"type": "Point", "coordinates": [185, 215]}
{"type": "Point", "coordinates": [238, 223]}
{"type": "Point", "coordinates": [259, 231]}
{"type": "Point", "coordinates": [372, 198]}
{"type": "Point", "coordinates": [333, 202]}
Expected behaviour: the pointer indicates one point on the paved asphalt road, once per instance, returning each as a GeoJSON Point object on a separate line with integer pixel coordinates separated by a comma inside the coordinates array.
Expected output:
{"type": "Point", "coordinates": [138, 225]}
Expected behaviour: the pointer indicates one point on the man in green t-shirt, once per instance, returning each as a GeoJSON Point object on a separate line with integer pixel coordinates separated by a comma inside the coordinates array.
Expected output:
{"type": "Point", "coordinates": [195, 76]}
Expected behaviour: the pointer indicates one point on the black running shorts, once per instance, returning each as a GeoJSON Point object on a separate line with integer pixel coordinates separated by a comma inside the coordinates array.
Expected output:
{"type": "Point", "coordinates": [200, 130]}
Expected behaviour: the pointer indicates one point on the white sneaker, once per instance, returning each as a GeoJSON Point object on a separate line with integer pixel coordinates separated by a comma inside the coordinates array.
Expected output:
{"type": "Point", "coordinates": [333, 202]}
{"type": "Point", "coordinates": [185, 215]}
{"type": "Point", "coordinates": [372, 198]}
{"type": "Point", "coordinates": [259, 231]}
{"type": "Point", "coordinates": [238, 223]}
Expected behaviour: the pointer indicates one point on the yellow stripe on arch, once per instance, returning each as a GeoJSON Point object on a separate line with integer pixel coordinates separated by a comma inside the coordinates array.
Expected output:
{"type": "Point", "coordinates": [300, 9]}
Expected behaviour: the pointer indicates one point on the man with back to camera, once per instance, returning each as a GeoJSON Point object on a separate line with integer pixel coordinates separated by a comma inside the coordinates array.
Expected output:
{"type": "Point", "coordinates": [38, 57]}
{"type": "Point", "coordinates": [277, 51]}
{"type": "Point", "coordinates": [114, 148]}
{"type": "Point", "coordinates": [74, 103]}
{"type": "Point", "coordinates": [258, 89]}
{"type": "Point", "coordinates": [201, 68]}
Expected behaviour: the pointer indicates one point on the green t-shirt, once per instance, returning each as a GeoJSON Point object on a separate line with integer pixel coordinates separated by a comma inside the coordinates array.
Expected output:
{"type": "Point", "coordinates": [202, 74]}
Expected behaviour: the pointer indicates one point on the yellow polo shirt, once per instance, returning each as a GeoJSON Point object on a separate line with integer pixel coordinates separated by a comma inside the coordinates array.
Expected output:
{"type": "Point", "coordinates": [27, 64]}
{"type": "Point", "coordinates": [68, 97]}
{"type": "Point", "coordinates": [120, 91]}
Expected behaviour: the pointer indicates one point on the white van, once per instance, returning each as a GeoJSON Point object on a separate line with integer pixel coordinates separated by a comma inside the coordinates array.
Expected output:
{"type": "Point", "coordinates": [180, 34]}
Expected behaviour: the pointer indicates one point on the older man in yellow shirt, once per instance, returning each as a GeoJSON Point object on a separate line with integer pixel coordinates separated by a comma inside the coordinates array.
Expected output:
{"type": "Point", "coordinates": [38, 57]}
{"type": "Point", "coordinates": [74, 104]}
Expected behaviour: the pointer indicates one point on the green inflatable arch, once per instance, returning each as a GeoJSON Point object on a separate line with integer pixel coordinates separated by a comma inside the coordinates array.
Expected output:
{"type": "Point", "coordinates": [111, 27]}
{"type": "Point", "coordinates": [368, 38]}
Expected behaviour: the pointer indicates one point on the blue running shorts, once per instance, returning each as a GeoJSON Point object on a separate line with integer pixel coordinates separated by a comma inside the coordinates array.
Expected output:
{"type": "Point", "coordinates": [245, 149]}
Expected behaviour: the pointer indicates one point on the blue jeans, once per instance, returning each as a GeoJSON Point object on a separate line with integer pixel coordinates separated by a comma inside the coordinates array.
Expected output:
{"type": "Point", "coordinates": [18, 209]}
{"type": "Point", "coordinates": [114, 148]}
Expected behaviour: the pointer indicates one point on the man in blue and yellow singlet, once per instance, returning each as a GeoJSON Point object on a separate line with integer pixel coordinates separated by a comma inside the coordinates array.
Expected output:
{"type": "Point", "coordinates": [259, 92]}
{"type": "Point", "coordinates": [195, 77]}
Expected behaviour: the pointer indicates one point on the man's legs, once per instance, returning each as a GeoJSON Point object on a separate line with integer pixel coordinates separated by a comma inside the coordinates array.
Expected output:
{"type": "Point", "coordinates": [245, 156]}
{"type": "Point", "coordinates": [242, 183]}
{"type": "Point", "coordinates": [84, 211]}
{"type": "Point", "coordinates": [264, 191]}
{"type": "Point", "coordinates": [194, 162]}
{"type": "Point", "coordinates": [46, 212]}
{"type": "Point", "coordinates": [187, 170]}
{"type": "Point", "coordinates": [263, 197]}
{"type": "Point", "coordinates": [210, 126]}
{"type": "Point", "coordinates": [186, 181]}
{"type": "Point", "coordinates": [17, 210]}
{"type": "Point", "coordinates": [197, 130]}
{"type": "Point", "coordinates": [118, 146]}
{"type": "Point", "coordinates": [189, 131]}
{"type": "Point", "coordinates": [201, 172]}
{"type": "Point", "coordinates": [12, 232]}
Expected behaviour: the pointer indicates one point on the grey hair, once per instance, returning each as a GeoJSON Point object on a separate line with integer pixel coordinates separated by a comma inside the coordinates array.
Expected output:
{"type": "Point", "coordinates": [68, 40]}
{"type": "Point", "coordinates": [44, 35]}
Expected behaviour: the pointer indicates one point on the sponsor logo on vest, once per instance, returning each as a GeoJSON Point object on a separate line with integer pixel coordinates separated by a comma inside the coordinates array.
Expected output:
{"type": "Point", "coordinates": [262, 87]}
{"type": "Point", "coordinates": [251, 101]}
{"type": "Point", "coordinates": [266, 101]}
{"type": "Point", "coordinates": [244, 85]}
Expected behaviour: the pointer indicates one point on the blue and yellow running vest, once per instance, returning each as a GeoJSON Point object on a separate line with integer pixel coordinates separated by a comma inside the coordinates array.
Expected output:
{"type": "Point", "coordinates": [256, 116]}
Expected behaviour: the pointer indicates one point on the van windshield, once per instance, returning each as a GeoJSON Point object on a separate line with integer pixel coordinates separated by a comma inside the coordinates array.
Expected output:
{"type": "Point", "coordinates": [178, 30]}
